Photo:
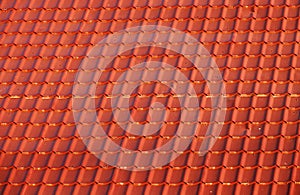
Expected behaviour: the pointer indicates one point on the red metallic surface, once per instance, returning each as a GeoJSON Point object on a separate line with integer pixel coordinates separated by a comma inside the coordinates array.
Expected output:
{"type": "Point", "coordinates": [255, 44]}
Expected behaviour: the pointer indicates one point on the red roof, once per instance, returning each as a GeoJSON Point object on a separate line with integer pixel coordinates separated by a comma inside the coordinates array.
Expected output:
{"type": "Point", "coordinates": [255, 44]}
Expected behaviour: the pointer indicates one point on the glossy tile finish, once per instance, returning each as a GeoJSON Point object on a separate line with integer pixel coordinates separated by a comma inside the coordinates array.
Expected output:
{"type": "Point", "coordinates": [255, 43]}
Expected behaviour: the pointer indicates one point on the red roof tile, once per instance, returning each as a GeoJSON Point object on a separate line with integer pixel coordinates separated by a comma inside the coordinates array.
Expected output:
{"type": "Point", "coordinates": [255, 45]}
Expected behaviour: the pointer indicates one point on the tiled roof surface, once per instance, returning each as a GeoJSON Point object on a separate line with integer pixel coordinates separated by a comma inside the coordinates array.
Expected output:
{"type": "Point", "coordinates": [255, 44]}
